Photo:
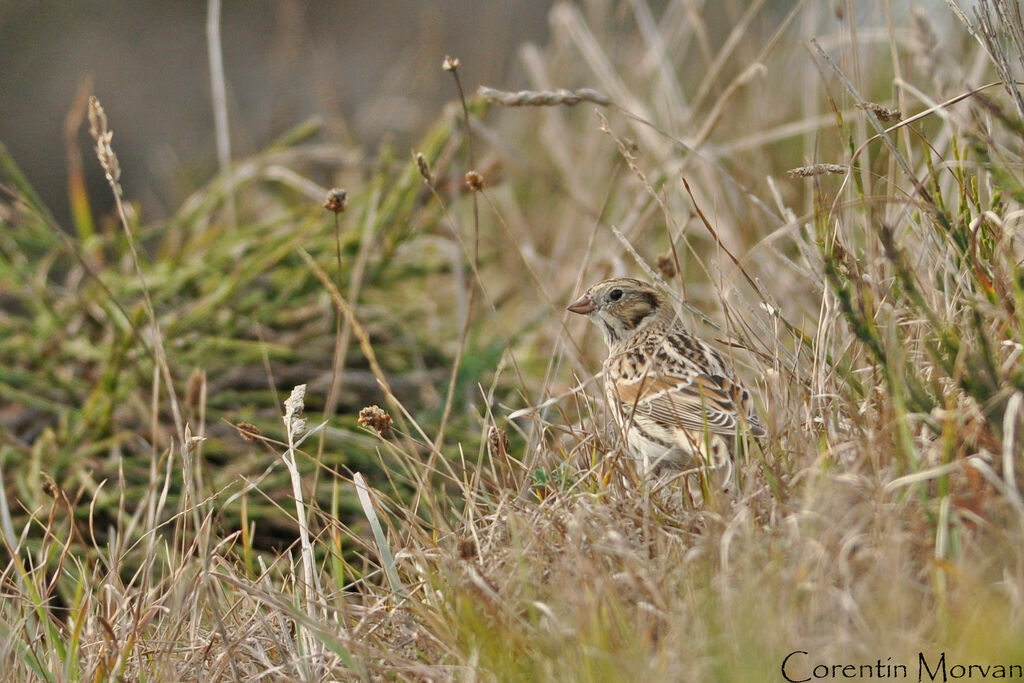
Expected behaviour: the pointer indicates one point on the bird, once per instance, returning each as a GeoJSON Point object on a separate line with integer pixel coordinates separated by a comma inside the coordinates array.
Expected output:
{"type": "Point", "coordinates": [676, 401]}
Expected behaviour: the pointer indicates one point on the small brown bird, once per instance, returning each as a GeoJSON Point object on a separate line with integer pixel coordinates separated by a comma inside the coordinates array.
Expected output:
{"type": "Point", "coordinates": [672, 396]}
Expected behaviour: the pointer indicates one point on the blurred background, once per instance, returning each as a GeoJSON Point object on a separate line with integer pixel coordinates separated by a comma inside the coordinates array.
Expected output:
{"type": "Point", "coordinates": [370, 70]}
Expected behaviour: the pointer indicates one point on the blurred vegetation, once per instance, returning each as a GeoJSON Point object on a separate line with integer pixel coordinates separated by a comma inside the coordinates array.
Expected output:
{"type": "Point", "coordinates": [494, 529]}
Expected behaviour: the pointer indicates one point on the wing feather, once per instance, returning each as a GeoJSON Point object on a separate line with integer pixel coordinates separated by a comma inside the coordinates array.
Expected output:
{"type": "Point", "coordinates": [686, 399]}
{"type": "Point", "coordinates": [694, 403]}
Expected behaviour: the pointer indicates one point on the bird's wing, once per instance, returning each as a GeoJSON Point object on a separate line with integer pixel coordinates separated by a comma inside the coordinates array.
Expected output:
{"type": "Point", "coordinates": [687, 400]}
{"type": "Point", "coordinates": [678, 402]}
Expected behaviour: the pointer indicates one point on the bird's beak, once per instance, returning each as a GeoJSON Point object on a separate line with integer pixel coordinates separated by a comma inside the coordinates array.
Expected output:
{"type": "Point", "coordinates": [584, 305]}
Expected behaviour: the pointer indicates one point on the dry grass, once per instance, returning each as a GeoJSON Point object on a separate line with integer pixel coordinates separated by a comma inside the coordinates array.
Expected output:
{"type": "Point", "coordinates": [487, 527]}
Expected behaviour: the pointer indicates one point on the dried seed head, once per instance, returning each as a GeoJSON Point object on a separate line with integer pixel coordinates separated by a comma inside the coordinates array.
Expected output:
{"type": "Point", "coordinates": [542, 98]}
{"type": "Point", "coordinates": [421, 163]}
{"type": "Point", "coordinates": [97, 118]}
{"type": "Point", "coordinates": [294, 422]}
{"type": "Point", "coordinates": [50, 487]}
{"type": "Point", "coordinates": [450, 63]}
{"type": "Point", "coordinates": [193, 391]}
{"type": "Point", "coordinates": [884, 114]}
{"type": "Point", "coordinates": [474, 181]}
{"type": "Point", "coordinates": [336, 200]}
{"type": "Point", "coordinates": [667, 265]}
{"type": "Point", "coordinates": [816, 169]}
{"type": "Point", "coordinates": [498, 440]}
{"type": "Point", "coordinates": [374, 417]}
{"type": "Point", "coordinates": [248, 431]}
{"type": "Point", "coordinates": [103, 135]}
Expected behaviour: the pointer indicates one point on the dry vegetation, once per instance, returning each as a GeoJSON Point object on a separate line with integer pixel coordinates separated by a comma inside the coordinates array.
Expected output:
{"type": "Point", "coordinates": [161, 522]}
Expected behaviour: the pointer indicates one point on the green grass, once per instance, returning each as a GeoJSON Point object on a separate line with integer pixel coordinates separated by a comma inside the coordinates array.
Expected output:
{"type": "Point", "coordinates": [150, 531]}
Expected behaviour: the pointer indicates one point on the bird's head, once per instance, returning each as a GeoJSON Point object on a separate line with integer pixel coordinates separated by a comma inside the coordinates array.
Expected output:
{"type": "Point", "coordinates": [620, 307]}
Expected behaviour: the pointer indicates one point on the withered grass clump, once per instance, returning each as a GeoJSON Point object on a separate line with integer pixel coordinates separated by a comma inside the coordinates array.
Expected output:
{"type": "Point", "coordinates": [445, 498]}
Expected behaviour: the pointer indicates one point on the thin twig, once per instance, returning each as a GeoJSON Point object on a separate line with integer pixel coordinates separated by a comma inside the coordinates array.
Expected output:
{"type": "Point", "coordinates": [452, 65]}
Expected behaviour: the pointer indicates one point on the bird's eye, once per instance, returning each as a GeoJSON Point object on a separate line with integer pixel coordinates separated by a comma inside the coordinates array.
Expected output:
{"type": "Point", "coordinates": [615, 294]}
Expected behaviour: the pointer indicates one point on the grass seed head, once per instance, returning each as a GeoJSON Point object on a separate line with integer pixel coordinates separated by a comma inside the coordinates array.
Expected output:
{"type": "Point", "coordinates": [424, 167]}
{"type": "Point", "coordinates": [474, 181]}
{"type": "Point", "coordinates": [376, 419]}
{"type": "Point", "coordinates": [336, 200]}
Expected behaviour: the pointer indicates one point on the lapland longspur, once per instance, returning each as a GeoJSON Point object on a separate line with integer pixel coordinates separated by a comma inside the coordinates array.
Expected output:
{"type": "Point", "coordinates": [675, 399]}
